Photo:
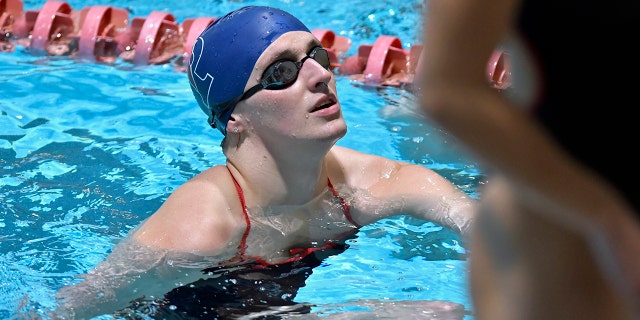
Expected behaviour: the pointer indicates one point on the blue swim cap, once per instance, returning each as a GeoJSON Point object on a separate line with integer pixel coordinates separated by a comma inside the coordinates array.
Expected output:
{"type": "Point", "coordinates": [225, 53]}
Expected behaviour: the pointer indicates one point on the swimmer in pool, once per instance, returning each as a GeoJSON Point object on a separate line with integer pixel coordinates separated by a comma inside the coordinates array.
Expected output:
{"type": "Point", "coordinates": [287, 196]}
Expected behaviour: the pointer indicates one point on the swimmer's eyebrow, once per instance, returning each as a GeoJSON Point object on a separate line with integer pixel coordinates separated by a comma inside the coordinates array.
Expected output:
{"type": "Point", "coordinates": [286, 53]}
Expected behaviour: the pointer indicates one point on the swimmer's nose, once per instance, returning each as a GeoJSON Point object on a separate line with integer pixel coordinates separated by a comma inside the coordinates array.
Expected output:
{"type": "Point", "coordinates": [316, 75]}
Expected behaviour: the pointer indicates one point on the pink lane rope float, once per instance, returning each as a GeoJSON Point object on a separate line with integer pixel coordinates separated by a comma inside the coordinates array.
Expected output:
{"type": "Point", "coordinates": [104, 34]}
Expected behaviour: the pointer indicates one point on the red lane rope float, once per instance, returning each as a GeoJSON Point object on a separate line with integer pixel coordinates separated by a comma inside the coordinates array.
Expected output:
{"type": "Point", "coordinates": [158, 39]}
{"type": "Point", "coordinates": [23, 25]}
{"type": "Point", "coordinates": [386, 58]}
{"type": "Point", "coordinates": [386, 63]}
{"type": "Point", "coordinates": [192, 29]}
{"type": "Point", "coordinates": [103, 33]}
{"type": "Point", "coordinates": [53, 29]}
{"type": "Point", "coordinates": [383, 63]}
{"type": "Point", "coordinates": [101, 27]}
{"type": "Point", "coordinates": [335, 45]}
{"type": "Point", "coordinates": [10, 11]}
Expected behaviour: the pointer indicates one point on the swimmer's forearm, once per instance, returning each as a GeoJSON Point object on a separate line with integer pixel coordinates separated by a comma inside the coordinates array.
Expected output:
{"type": "Point", "coordinates": [113, 283]}
{"type": "Point", "coordinates": [455, 213]}
{"type": "Point", "coordinates": [427, 195]}
{"type": "Point", "coordinates": [90, 298]}
{"type": "Point", "coordinates": [107, 295]}
{"type": "Point", "coordinates": [459, 216]}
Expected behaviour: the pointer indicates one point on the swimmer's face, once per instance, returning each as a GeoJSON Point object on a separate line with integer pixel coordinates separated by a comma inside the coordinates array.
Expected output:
{"type": "Point", "coordinates": [306, 108]}
{"type": "Point", "coordinates": [284, 72]}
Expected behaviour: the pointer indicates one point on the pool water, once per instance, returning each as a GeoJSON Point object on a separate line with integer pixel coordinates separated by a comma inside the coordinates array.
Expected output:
{"type": "Point", "coordinates": [89, 150]}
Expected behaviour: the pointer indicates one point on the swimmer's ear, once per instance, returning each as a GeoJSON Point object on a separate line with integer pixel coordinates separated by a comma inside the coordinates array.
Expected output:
{"type": "Point", "coordinates": [234, 119]}
{"type": "Point", "coordinates": [233, 125]}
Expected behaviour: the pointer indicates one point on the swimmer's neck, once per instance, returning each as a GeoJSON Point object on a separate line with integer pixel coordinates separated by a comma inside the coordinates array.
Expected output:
{"type": "Point", "coordinates": [268, 178]}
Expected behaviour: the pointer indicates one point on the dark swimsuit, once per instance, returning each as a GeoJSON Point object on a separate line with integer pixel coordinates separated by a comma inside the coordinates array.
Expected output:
{"type": "Point", "coordinates": [248, 287]}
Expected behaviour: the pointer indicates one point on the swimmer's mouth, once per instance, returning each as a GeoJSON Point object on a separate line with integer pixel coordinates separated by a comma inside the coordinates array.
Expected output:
{"type": "Point", "coordinates": [324, 103]}
{"type": "Point", "coordinates": [323, 106]}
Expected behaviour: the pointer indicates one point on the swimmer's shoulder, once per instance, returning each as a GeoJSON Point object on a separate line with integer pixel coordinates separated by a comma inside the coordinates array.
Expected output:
{"type": "Point", "coordinates": [349, 158]}
{"type": "Point", "coordinates": [358, 169]}
{"type": "Point", "coordinates": [202, 216]}
{"type": "Point", "coordinates": [379, 176]}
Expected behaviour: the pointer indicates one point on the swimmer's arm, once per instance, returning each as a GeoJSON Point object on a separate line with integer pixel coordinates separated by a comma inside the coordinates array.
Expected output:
{"type": "Point", "coordinates": [187, 223]}
{"type": "Point", "coordinates": [394, 188]}
{"type": "Point", "coordinates": [424, 194]}
{"type": "Point", "coordinates": [131, 272]}
{"type": "Point", "coordinates": [109, 286]}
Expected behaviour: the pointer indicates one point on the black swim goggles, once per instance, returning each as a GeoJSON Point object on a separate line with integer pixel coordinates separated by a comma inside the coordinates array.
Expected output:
{"type": "Point", "coordinates": [283, 73]}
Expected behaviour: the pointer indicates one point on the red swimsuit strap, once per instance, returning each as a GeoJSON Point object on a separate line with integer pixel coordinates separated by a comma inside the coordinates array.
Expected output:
{"type": "Point", "coordinates": [243, 243]}
{"type": "Point", "coordinates": [345, 207]}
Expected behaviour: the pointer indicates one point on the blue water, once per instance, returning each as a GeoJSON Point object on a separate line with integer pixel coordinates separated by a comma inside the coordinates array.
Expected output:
{"type": "Point", "coordinates": [88, 151]}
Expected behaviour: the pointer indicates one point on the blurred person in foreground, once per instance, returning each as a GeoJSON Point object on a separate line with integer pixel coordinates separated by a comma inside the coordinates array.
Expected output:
{"type": "Point", "coordinates": [557, 234]}
{"type": "Point", "coordinates": [242, 237]}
